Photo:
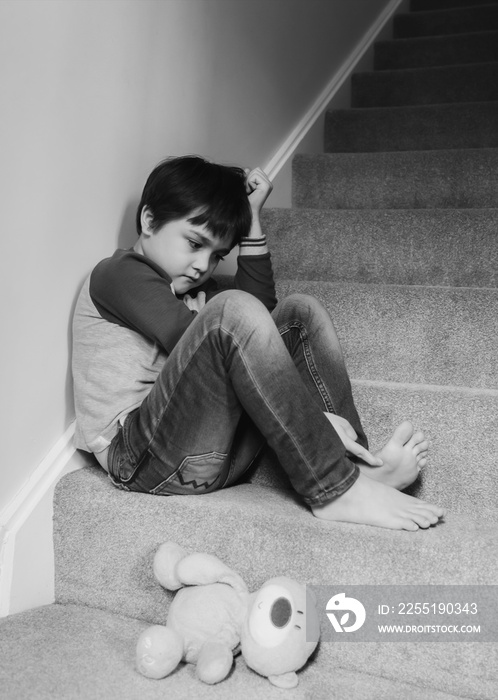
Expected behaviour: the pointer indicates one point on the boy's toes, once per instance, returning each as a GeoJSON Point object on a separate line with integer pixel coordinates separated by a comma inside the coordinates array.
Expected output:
{"type": "Point", "coordinates": [425, 519]}
{"type": "Point", "coordinates": [403, 433]}
{"type": "Point", "coordinates": [418, 438]}
{"type": "Point", "coordinates": [407, 524]}
{"type": "Point", "coordinates": [422, 447]}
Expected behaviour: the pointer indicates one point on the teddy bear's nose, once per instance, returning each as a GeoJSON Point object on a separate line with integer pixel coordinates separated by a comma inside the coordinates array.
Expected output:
{"type": "Point", "coordinates": [281, 612]}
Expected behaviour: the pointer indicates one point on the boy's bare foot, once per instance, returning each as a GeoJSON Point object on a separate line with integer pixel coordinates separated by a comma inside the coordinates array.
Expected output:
{"type": "Point", "coordinates": [370, 502]}
{"type": "Point", "coordinates": [402, 458]}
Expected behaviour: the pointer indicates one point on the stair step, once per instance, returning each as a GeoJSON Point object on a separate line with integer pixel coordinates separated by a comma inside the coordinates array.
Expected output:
{"type": "Point", "coordinates": [421, 5]}
{"type": "Point", "coordinates": [425, 335]}
{"type": "Point", "coordinates": [398, 180]}
{"type": "Point", "coordinates": [104, 557]}
{"type": "Point", "coordinates": [452, 418]}
{"type": "Point", "coordinates": [419, 86]}
{"type": "Point", "coordinates": [446, 21]}
{"type": "Point", "coordinates": [104, 560]}
{"type": "Point", "coordinates": [455, 247]}
{"type": "Point", "coordinates": [89, 654]}
{"type": "Point", "coordinates": [477, 47]}
{"type": "Point", "coordinates": [415, 128]}
{"type": "Point", "coordinates": [462, 425]}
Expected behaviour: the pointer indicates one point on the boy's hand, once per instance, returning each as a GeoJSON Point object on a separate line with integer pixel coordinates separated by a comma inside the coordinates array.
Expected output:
{"type": "Point", "coordinates": [258, 187]}
{"type": "Point", "coordinates": [348, 436]}
{"type": "Point", "coordinates": [195, 303]}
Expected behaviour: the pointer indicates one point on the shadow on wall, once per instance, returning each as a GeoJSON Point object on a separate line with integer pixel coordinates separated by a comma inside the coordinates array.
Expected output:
{"type": "Point", "coordinates": [127, 235]}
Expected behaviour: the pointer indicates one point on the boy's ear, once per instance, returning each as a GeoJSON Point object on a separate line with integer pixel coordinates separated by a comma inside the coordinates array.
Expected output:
{"type": "Point", "coordinates": [146, 221]}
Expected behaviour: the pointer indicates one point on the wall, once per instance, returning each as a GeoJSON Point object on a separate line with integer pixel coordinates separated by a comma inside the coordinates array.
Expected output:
{"type": "Point", "coordinates": [94, 93]}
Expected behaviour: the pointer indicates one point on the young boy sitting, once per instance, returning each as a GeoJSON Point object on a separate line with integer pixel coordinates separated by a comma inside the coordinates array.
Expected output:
{"type": "Point", "coordinates": [178, 385]}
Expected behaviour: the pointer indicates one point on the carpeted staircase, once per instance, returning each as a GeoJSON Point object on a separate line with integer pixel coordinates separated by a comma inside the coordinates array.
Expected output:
{"type": "Point", "coordinates": [395, 229]}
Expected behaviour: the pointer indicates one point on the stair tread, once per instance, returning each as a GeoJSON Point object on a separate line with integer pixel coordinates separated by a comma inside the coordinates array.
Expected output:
{"type": "Point", "coordinates": [127, 528]}
{"type": "Point", "coordinates": [66, 652]}
{"type": "Point", "coordinates": [109, 565]}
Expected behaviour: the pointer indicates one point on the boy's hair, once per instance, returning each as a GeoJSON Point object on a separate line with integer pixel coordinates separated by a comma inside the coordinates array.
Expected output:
{"type": "Point", "coordinates": [180, 186]}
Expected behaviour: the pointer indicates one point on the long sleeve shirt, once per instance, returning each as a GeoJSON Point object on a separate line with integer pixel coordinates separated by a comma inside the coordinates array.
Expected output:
{"type": "Point", "coordinates": [126, 322]}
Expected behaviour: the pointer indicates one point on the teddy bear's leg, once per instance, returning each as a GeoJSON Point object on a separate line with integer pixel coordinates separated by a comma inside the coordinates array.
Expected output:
{"type": "Point", "coordinates": [165, 562]}
{"type": "Point", "coordinates": [214, 662]}
{"type": "Point", "coordinates": [159, 651]}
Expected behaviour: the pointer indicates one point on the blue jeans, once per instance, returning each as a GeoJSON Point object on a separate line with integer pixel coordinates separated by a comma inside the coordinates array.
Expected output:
{"type": "Point", "coordinates": [239, 378]}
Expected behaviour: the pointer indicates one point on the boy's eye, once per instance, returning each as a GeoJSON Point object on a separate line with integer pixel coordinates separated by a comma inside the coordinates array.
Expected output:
{"type": "Point", "coordinates": [220, 258]}
{"type": "Point", "coordinates": [195, 244]}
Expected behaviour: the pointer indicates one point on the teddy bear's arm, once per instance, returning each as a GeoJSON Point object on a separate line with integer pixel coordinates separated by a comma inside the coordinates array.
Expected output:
{"type": "Point", "coordinates": [200, 569]}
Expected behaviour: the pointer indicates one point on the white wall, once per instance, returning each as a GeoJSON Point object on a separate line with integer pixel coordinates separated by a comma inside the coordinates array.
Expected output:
{"type": "Point", "coordinates": [93, 94]}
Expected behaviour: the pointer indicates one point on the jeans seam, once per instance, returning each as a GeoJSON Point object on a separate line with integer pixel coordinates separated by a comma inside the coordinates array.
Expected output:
{"type": "Point", "coordinates": [308, 356]}
{"type": "Point", "coordinates": [181, 468]}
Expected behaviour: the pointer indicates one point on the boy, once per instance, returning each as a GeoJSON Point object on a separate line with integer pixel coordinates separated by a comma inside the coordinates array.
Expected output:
{"type": "Point", "coordinates": [178, 386]}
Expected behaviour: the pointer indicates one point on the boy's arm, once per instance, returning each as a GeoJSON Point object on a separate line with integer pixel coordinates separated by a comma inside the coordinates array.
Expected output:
{"type": "Point", "coordinates": [131, 291]}
{"type": "Point", "coordinates": [254, 269]}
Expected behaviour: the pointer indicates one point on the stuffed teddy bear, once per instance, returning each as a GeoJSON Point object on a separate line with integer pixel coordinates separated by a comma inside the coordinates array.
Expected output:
{"type": "Point", "coordinates": [215, 617]}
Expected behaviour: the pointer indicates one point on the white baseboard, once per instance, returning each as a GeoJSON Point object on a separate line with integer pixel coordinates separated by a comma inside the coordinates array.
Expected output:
{"type": "Point", "coordinates": [291, 143]}
{"type": "Point", "coordinates": [26, 534]}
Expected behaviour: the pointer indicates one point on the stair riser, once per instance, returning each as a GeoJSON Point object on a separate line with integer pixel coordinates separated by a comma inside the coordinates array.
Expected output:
{"type": "Point", "coordinates": [436, 51]}
{"type": "Point", "coordinates": [412, 335]}
{"type": "Point", "coordinates": [462, 428]}
{"type": "Point", "coordinates": [421, 247]}
{"type": "Point", "coordinates": [423, 5]}
{"type": "Point", "coordinates": [452, 21]}
{"type": "Point", "coordinates": [468, 83]}
{"type": "Point", "coordinates": [457, 477]}
{"type": "Point", "coordinates": [404, 180]}
{"type": "Point", "coordinates": [472, 125]}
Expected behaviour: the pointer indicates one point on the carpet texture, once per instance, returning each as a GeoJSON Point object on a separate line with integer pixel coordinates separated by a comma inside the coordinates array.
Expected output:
{"type": "Point", "coordinates": [438, 247]}
{"type": "Point", "coordinates": [66, 652]}
{"type": "Point", "coordinates": [446, 21]}
{"type": "Point", "coordinates": [418, 128]}
{"type": "Point", "coordinates": [435, 85]}
{"type": "Point", "coordinates": [109, 566]}
{"type": "Point", "coordinates": [395, 231]}
{"type": "Point", "coordinates": [448, 179]}
{"type": "Point", "coordinates": [424, 52]}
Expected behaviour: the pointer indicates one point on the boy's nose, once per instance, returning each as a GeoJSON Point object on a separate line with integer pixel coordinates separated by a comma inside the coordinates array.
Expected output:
{"type": "Point", "coordinates": [201, 264]}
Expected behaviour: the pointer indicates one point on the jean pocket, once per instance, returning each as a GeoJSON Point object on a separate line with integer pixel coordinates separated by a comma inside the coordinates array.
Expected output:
{"type": "Point", "coordinates": [196, 474]}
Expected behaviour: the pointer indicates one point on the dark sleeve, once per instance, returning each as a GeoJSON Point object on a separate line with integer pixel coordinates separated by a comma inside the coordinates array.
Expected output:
{"type": "Point", "coordinates": [131, 291]}
{"type": "Point", "coordinates": [255, 275]}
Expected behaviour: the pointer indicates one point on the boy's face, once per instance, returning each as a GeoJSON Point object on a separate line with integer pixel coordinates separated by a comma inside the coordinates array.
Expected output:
{"type": "Point", "coordinates": [188, 253]}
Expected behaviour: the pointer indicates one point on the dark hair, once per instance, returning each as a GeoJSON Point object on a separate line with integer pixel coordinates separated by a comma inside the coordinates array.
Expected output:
{"type": "Point", "coordinates": [180, 186]}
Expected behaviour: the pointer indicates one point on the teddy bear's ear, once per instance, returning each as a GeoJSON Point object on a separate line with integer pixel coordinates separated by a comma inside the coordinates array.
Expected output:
{"type": "Point", "coordinates": [285, 680]}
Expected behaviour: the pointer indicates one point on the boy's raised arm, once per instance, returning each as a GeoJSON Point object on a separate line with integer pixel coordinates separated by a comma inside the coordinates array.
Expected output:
{"type": "Point", "coordinates": [259, 189]}
{"type": "Point", "coordinates": [255, 273]}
